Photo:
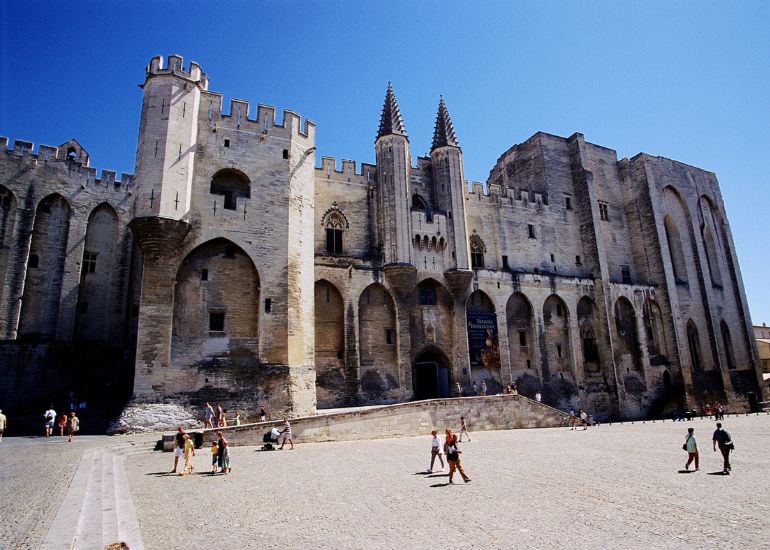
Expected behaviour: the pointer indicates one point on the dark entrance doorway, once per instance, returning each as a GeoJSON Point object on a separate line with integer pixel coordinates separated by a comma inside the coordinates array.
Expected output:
{"type": "Point", "coordinates": [430, 375]}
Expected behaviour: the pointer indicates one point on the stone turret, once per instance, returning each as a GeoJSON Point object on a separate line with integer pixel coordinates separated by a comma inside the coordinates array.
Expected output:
{"type": "Point", "coordinates": [393, 194]}
{"type": "Point", "coordinates": [449, 194]}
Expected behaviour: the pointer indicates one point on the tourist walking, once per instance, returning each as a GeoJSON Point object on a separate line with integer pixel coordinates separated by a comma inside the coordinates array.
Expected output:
{"type": "Point", "coordinates": [459, 389]}
{"type": "Point", "coordinates": [214, 457]}
{"type": "Point", "coordinates": [237, 419]}
{"type": "Point", "coordinates": [286, 432]}
{"type": "Point", "coordinates": [584, 419]}
{"type": "Point", "coordinates": [538, 397]}
{"type": "Point", "coordinates": [73, 425]}
{"type": "Point", "coordinates": [725, 443]}
{"type": "Point", "coordinates": [219, 416]}
{"type": "Point", "coordinates": [178, 447]}
{"type": "Point", "coordinates": [50, 418]}
{"type": "Point", "coordinates": [62, 424]}
{"type": "Point", "coordinates": [208, 415]}
{"type": "Point", "coordinates": [262, 413]}
{"type": "Point", "coordinates": [453, 457]}
{"type": "Point", "coordinates": [691, 446]}
{"type": "Point", "coordinates": [475, 389]}
{"type": "Point", "coordinates": [3, 422]}
{"type": "Point", "coordinates": [436, 451]}
{"type": "Point", "coordinates": [464, 429]}
{"type": "Point", "coordinates": [483, 387]}
{"type": "Point", "coordinates": [188, 450]}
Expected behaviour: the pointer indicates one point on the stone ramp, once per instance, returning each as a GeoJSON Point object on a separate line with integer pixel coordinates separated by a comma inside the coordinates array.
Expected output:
{"type": "Point", "coordinates": [97, 509]}
{"type": "Point", "coordinates": [496, 412]}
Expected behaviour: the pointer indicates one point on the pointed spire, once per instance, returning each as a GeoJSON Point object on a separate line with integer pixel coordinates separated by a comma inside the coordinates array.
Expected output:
{"type": "Point", "coordinates": [444, 134]}
{"type": "Point", "coordinates": [390, 121]}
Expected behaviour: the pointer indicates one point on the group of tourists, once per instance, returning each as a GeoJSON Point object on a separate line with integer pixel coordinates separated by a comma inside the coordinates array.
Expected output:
{"type": "Point", "coordinates": [218, 418]}
{"type": "Point", "coordinates": [450, 449]}
{"type": "Point", "coordinates": [721, 438]}
{"type": "Point", "coordinates": [70, 424]}
{"type": "Point", "coordinates": [184, 448]}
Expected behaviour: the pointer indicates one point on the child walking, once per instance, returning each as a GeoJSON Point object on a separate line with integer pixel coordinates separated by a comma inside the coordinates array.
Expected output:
{"type": "Point", "coordinates": [226, 458]}
{"type": "Point", "coordinates": [214, 457]}
{"type": "Point", "coordinates": [188, 451]}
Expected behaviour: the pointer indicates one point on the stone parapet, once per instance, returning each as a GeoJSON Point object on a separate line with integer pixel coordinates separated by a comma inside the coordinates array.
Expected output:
{"type": "Point", "coordinates": [498, 412]}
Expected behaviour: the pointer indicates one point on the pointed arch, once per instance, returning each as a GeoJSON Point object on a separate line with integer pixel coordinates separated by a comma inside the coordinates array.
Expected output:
{"type": "Point", "coordinates": [727, 342]}
{"type": "Point", "coordinates": [378, 344]}
{"type": "Point", "coordinates": [329, 345]}
{"type": "Point", "coordinates": [657, 347]}
{"type": "Point", "coordinates": [95, 308]}
{"type": "Point", "coordinates": [627, 352]}
{"type": "Point", "coordinates": [335, 224]}
{"type": "Point", "coordinates": [45, 268]}
{"type": "Point", "coordinates": [710, 237]}
{"type": "Point", "coordinates": [588, 316]}
{"type": "Point", "coordinates": [520, 318]}
{"type": "Point", "coordinates": [676, 252]}
{"type": "Point", "coordinates": [232, 184]}
{"type": "Point", "coordinates": [557, 337]}
{"type": "Point", "coordinates": [693, 345]}
{"type": "Point", "coordinates": [216, 304]}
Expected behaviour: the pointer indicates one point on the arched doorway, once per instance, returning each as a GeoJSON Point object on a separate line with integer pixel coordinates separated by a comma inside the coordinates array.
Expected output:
{"type": "Point", "coordinates": [430, 374]}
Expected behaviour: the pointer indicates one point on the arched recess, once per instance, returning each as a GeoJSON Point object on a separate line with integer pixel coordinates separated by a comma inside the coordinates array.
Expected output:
{"type": "Point", "coordinates": [693, 345]}
{"type": "Point", "coordinates": [727, 342]}
{"type": "Point", "coordinates": [378, 344]}
{"type": "Point", "coordinates": [655, 336]}
{"type": "Point", "coordinates": [45, 268]}
{"type": "Point", "coordinates": [329, 345]}
{"type": "Point", "coordinates": [232, 184]}
{"type": "Point", "coordinates": [627, 352]}
{"type": "Point", "coordinates": [709, 234]}
{"type": "Point", "coordinates": [430, 316]}
{"type": "Point", "coordinates": [675, 249]}
{"type": "Point", "coordinates": [483, 341]}
{"type": "Point", "coordinates": [96, 307]}
{"type": "Point", "coordinates": [7, 218]}
{"type": "Point", "coordinates": [431, 373]}
{"type": "Point", "coordinates": [216, 306]}
{"type": "Point", "coordinates": [521, 332]}
{"type": "Point", "coordinates": [557, 338]}
{"type": "Point", "coordinates": [588, 322]}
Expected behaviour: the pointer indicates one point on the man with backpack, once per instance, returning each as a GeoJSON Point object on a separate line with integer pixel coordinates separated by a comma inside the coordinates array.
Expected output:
{"type": "Point", "coordinates": [725, 442]}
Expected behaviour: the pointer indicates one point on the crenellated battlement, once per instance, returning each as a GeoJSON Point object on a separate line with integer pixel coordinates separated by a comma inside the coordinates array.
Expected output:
{"type": "Point", "coordinates": [348, 168]}
{"type": "Point", "coordinates": [239, 115]}
{"type": "Point", "coordinates": [175, 67]}
{"type": "Point", "coordinates": [24, 151]}
{"type": "Point", "coordinates": [494, 193]}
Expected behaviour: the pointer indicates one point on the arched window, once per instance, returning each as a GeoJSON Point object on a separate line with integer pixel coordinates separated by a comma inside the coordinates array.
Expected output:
{"type": "Point", "coordinates": [72, 154]}
{"type": "Point", "coordinates": [693, 343]}
{"type": "Point", "coordinates": [231, 184]}
{"type": "Point", "coordinates": [477, 252]}
{"type": "Point", "coordinates": [712, 256]}
{"type": "Point", "coordinates": [335, 225]}
{"type": "Point", "coordinates": [590, 349]}
{"type": "Point", "coordinates": [728, 344]}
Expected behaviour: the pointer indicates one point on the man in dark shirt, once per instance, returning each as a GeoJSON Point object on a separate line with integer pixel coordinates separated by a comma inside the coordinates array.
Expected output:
{"type": "Point", "coordinates": [725, 442]}
{"type": "Point", "coordinates": [178, 447]}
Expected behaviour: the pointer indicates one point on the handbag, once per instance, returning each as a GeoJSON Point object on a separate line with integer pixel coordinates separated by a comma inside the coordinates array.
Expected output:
{"type": "Point", "coordinates": [684, 446]}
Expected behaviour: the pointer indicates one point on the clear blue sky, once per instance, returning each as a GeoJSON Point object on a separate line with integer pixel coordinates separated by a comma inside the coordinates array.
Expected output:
{"type": "Point", "coordinates": [685, 80]}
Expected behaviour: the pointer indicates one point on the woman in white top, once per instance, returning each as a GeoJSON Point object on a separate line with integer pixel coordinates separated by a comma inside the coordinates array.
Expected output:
{"type": "Point", "coordinates": [436, 450]}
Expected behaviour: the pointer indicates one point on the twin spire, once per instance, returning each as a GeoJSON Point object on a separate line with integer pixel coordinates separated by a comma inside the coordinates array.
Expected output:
{"type": "Point", "coordinates": [391, 122]}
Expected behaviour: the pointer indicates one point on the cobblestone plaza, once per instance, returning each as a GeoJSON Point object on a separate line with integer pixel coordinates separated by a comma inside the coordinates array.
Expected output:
{"type": "Point", "coordinates": [610, 486]}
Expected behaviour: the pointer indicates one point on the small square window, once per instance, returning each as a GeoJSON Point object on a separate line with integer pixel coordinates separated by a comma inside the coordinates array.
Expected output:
{"type": "Point", "coordinates": [204, 274]}
{"type": "Point", "coordinates": [505, 262]}
{"type": "Point", "coordinates": [531, 231]}
{"type": "Point", "coordinates": [268, 305]}
{"type": "Point", "coordinates": [227, 143]}
{"type": "Point", "coordinates": [577, 261]}
{"type": "Point", "coordinates": [553, 259]}
{"type": "Point", "coordinates": [285, 153]}
{"type": "Point", "coordinates": [390, 336]}
{"type": "Point", "coordinates": [217, 321]}
{"type": "Point", "coordinates": [568, 203]}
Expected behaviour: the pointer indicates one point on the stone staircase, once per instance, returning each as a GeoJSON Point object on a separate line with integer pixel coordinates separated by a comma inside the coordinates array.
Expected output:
{"type": "Point", "coordinates": [97, 509]}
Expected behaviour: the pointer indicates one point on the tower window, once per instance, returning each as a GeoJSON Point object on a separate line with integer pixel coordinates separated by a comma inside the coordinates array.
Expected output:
{"type": "Point", "coordinates": [427, 296]}
{"type": "Point", "coordinates": [577, 261]}
{"type": "Point", "coordinates": [268, 305]}
{"type": "Point", "coordinates": [334, 229]}
{"type": "Point", "coordinates": [531, 231]}
{"type": "Point", "coordinates": [216, 321]}
{"type": "Point", "coordinates": [477, 252]}
{"type": "Point", "coordinates": [553, 259]}
{"type": "Point", "coordinates": [227, 143]}
{"type": "Point", "coordinates": [558, 350]}
{"type": "Point", "coordinates": [625, 273]}
{"type": "Point", "coordinates": [285, 153]}
{"type": "Point", "coordinates": [231, 184]}
{"type": "Point", "coordinates": [204, 274]}
{"type": "Point", "coordinates": [604, 212]}
{"type": "Point", "coordinates": [522, 338]}
{"type": "Point", "coordinates": [89, 262]}
{"type": "Point", "coordinates": [505, 262]}
{"type": "Point", "coordinates": [568, 203]}
{"type": "Point", "coordinates": [389, 336]}
{"type": "Point", "coordinates": [558, 310]}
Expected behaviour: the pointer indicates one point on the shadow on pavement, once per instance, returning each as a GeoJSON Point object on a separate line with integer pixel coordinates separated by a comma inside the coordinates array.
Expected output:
{"type": "Point", "coordinates": [719, 473]}
{"type": "Point", "coordinates": [440, 485]}
{"type": "Point", "coordinates": [687, 471]}
{"type": "Point", "coordinates": [438, 475]}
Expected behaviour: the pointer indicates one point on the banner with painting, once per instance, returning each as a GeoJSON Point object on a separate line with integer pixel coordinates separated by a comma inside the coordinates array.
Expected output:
{"type": "Point", "coordinates": [482, 340]}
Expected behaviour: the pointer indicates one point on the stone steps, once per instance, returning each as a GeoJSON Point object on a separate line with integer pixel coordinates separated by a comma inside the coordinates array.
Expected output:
{"type": "Point", "coordinates": [97, 509]}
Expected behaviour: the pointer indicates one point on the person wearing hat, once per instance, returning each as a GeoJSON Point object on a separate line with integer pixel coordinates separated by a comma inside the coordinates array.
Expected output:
{"type": "Point", "coordinates": [73, 425]}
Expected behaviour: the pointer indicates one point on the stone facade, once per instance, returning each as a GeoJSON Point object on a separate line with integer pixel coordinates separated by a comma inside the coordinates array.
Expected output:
{"type": "Point", "coordinates": [259, 277]}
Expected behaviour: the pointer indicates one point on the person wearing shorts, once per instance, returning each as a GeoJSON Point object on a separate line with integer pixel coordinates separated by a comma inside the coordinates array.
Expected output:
{"type": "Point", "coordinates": [178, 447]}
{"type": "Point", "coordinates": [50, 420]}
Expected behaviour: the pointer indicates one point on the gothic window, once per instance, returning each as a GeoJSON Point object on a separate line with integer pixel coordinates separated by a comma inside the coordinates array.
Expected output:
{"type": "Point", "coordinates": [231, 184]}
{"type": "Point", "coordinates": [590, 349]}
{"type": "Point", "coordinates": [675, 249]}
{"type": "Point", "coordinates": [728, 344]}
{"type": "Point", "coordinates": [604, 211]}
{"type": "Point", "coordinates": [477, 252]}
{"type": "Point", "coordinates": [334, 228]}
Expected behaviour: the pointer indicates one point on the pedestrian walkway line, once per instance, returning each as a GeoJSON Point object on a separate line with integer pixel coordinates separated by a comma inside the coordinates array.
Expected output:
{"type": "Point", "coordinates": [89, 524]}
{"type": "Point", "coordinates": [128, 526]}
{"type": "Point", "coordinates": [61, 532]}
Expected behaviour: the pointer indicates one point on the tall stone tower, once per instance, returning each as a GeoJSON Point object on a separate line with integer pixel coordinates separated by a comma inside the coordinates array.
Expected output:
{"type": "Point", "coordinates": [449, 185]}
